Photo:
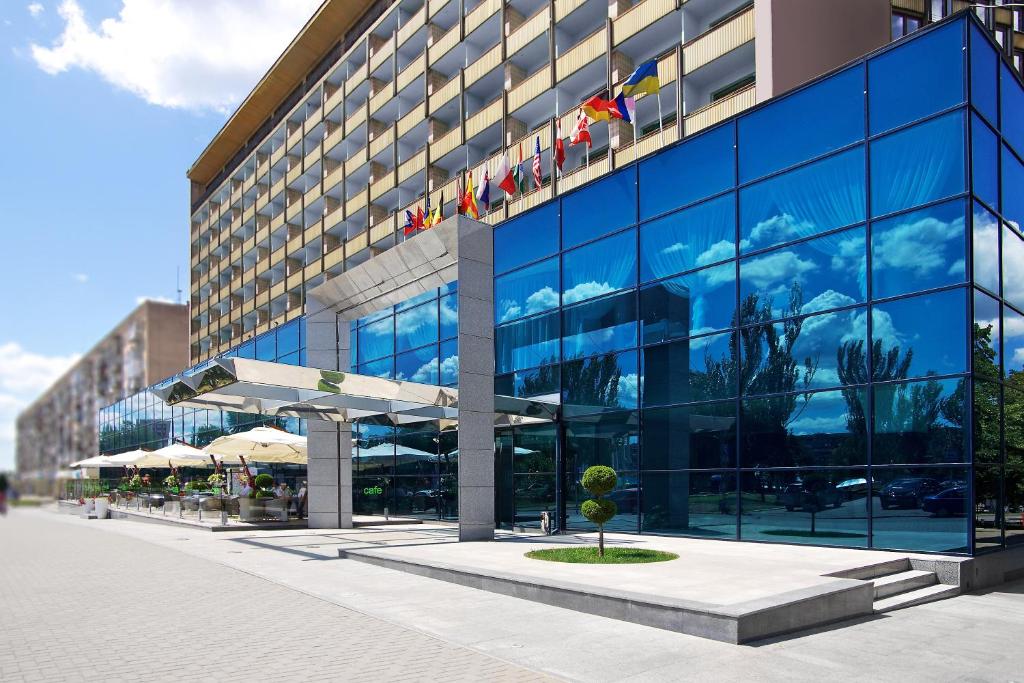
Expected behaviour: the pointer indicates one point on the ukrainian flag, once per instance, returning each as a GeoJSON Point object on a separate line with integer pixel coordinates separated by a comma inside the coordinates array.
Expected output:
{"type": "Point", "coordinates": [643, 80]}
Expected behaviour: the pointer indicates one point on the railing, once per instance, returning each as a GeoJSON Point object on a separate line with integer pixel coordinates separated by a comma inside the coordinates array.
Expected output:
{"type": "Point", "coordinates": [564, 8]}
{"type": "Point", "coordinates": [649, 143]}
{"type": "Point", "coordinates": [529, 89]}
{"type": "Point", "coordinates": [446, 143]}
{"type": "Point", "coordinates": [382, 185]}
{"type": "Point", "coordinates": [444, 94]}
{"type": "Point", "coordinates": [356, 78]}
{"type": "Point", "coordinates": [717, 111]}
{"type": "Point", "coordinates": [435, 6]}
{"type": "Point", "coordinates": [382, 53]}
{"type": "Point", "coordinates": [483, 66]}
{"type": "Point", "coordinates": [379, 99]}
{"type": "Point", "coordinates": [411, 72]}
{"type": "Point", "coordinates": [443, 45]}
{"type": "Point", "coordinates": [356, 202]}
{"type": "Point", "coordinates": [409, 121]}
{"type": "Point", "coordinates": [412, 165]}
{"type": "Point", "coordinates": [484, 118]}
{"type": "Point", "coordinates": [356, 160]}
{"type": "Point", "coordinates": [581, 54]}
{"type": "Point", "coordinates": [414, 24]}
{"type": "Point", "coordinates": [357, 119]}
{"type": "Point", "coordinates": [718, 41]}
{"type": "Point", "coordinates": [382, 141]}
{"type": "Point", "coordinates": [528, 30]}
{"type": "Point", "coordinates": [639, 17]}
{"type": "Point", "coordinates": [481, 13]}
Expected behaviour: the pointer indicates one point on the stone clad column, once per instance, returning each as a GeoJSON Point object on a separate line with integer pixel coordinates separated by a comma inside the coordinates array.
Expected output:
{"type": "Point", "coordinates": [329, 470]}
{"type": "Point", "coordinates": [476, 380]}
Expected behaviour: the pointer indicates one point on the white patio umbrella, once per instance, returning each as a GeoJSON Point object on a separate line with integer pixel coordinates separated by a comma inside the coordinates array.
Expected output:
{"type": "Point", "coordinates": [177, 454]}
{"type": "Point", "coordinates": [94, 461]}
{"type": "Point", "coordinates": [126, 458]}
{"type": "Point", "coordinates": [261, 444]}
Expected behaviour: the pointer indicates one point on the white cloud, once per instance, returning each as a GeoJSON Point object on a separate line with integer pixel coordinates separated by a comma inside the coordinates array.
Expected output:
{"type": "Point", "coordinates": [23, 376]}
{"type": "Point", "coordinates": [916, 248]}
{"type": "Point", "coordinates": [780, 266]}
{"type": "Point", "coordinates": [35, 9]}
{"type": "Point", "coordinates": [188, 55]}
{"type": "Point", "coordinates": [80, 277]}
{"type": "Point", "coordinates": [586, 290]}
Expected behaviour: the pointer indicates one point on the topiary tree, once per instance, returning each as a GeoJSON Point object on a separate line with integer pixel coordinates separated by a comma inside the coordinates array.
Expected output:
{"type": "Point", "coordinates": [598, 481]}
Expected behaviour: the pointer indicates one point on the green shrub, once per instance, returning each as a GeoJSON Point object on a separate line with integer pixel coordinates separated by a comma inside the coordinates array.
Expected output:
{"type": "Point", "coordinates": [196, 485]}
{"type": "Point", "coordinates": [264, 481]}
{"type": "Point", "coordinates": [215, 480]}
{"type": "Point", "coordinates": [261, 493]}
{"type": "Point", "coordinates": [599, 480]}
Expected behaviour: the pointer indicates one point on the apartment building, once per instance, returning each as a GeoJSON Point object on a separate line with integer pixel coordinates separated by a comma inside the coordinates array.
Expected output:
{"type": "Point", "coordinates": [60, 427]}
{"type": "Point", "coordinates": [375, 107]}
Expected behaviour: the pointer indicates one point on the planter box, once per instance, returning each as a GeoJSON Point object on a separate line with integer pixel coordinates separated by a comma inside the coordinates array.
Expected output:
{"type": "Point", "coordinates": [262, 509]}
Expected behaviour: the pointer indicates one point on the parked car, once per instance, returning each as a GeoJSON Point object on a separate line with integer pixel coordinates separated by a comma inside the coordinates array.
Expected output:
{"type": "Point", "coordinates": [798, 496]}
{"type": "Point", "coordinates": [909, 492]}
{"type": "Point", "coordinates": [949, 502]}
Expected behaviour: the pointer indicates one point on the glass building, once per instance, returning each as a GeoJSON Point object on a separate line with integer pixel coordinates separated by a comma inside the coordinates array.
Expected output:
{"type": "Point", "coordinates": [800, 325]}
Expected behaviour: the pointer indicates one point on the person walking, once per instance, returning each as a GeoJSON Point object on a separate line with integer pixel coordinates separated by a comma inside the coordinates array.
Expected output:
{"type": "Point", "coordinates": [4, 485]}
{"type": "Point", "coordinates": [300, 502]}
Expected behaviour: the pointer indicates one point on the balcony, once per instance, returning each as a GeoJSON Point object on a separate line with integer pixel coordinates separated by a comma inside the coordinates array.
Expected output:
{"type": "Point", "coordinates": [441, 47]}
{"type": "Point", "coordinates": [357, 202]}
{"type": "Point", "coordinates": [415, 23]}
{"type": "Point", "coordinates": [718, 41]}
{"type": "Point", "coordinates": [529, 89]}
{"type": "Point", "coordinates": [444, 94]}
{"type": "Point", "coordinates": [356, 160]}
{"type": "Point", "coordinates": [409, 121]}
{"type": "Point", "coordinates": [379, 99]}
{"type": "Point", "coordinates": [529, 201]}
{"type": "Point", "coordinates": [446, 143]}
{"type": "Point", "coordinates": [294, 138]}
{"type": "Point", "coordinates": [411, 72]}
{"type": "Point", "coordinates": [483, 119]}
{"type": "Point", "coordinates": [719, 111]}
{"type": "Point", "coordinates": [335, 137]}
{"type": "Point", "coordinates": [358, 118]}
{"type": "Point", "coordinates": [481, 13]}
{"type": "Point", "coordinates": [383, 229]}
{"type": "Point", "coordinates": [356, 77]}
{"type": "Point", "coordinates": [356, 244]}
{"type": "Point", "coordinates": [646, 145]}
{"type": "Point", "coordinates": [412, 166]}
{"type": "Point", "coordinates": [334, 98]}
{"type": "Point", "coordinates": [381, 185]}
{"type": "Point", "coordinates": [484, 65]}
{"type": "Point", "coordinates": [382, 141]}
{"type": "Point", "coordinates": [435, 6]}
{"type": "Point", "coordinates": [564, 8]}
{"type": "Point", "coordinates": [334, 177]}
{"type": "Point", "coordinates": [532, 28]}
{"type": "Point", "coordinates": [382, 53]}
{"type": "Point", "coordinates": [639, 17]}
{"type": "Point", "coordinates": [581, 54]}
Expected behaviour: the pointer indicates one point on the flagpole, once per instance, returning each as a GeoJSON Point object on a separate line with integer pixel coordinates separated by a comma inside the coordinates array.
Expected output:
{"type": "Point", "coordinates": [661, 125]}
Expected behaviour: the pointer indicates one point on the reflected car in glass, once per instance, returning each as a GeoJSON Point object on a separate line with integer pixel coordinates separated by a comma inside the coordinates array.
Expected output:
{"type": "Point", "coordinates": [949, 502]}
{"type": "Point", "coordinates": [908, 493]}
{"type": "Point", "coordinates": [800, 496]}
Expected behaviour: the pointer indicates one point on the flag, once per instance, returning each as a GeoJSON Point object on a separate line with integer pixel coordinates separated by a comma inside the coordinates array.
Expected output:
{"type": "Point", "coordinates": [601, 109]}
{"type": "Point", "coordinates": [418, 223]}
{"type": "Point", "coordinates": [537, 176]}
{"type": "Point", "coordinates": [428, 217]}
{"type": "Point", "coordinates": [458, 195]}
{"type": "Point", "coordinates": [559, 147]}
{"type": "Point", "coordinates": [439, 211]}
{"type": "Point", "coordinates": [643, 80]}
{"type": "Point", "coordinates": [484, 195]}
{"type": "Point", "coordinates": [505, 178]}
{"type": "Point", "coordinates": [469, 206]}
{"type": "Point", "coordinates": [518, 173]}
{"type": "Point", "coordinates": [410, 222]}
{"type": "Point", "coordinates": [582, 132]}
{"type": "Point", "coordinates": [627, 108]}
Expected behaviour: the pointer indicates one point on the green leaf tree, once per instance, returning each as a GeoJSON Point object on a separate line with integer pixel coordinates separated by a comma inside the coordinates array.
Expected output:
{"type": "Point", "coordinates": [599, 480]}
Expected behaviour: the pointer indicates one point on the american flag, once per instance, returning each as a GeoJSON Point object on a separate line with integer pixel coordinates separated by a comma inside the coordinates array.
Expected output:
{"type": "Point", "coordinates": [537, 176]}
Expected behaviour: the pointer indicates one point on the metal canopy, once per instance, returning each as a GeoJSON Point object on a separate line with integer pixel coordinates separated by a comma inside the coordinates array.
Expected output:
{"type": "Point", "coordinates": [253, 386]}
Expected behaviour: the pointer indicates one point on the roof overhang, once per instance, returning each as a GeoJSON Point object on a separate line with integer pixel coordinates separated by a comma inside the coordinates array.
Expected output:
{"type": "Point", "coordinates": [252, 386]}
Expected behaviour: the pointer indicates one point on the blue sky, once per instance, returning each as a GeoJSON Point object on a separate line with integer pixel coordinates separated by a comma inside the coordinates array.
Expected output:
{"type": "Point", "coordinates": [111, 104]}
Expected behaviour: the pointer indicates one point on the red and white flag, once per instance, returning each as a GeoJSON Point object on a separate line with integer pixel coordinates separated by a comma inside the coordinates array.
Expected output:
{"type": "Point", "coordinates": [503, 176]}
{"type": "Point", "coordinates": [582, 132]}
{"type": "Point", "coordinates": [559, 147]}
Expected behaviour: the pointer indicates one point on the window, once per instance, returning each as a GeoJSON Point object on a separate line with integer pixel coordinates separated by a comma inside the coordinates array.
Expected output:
{"type": "Point", "coordinates": [599, 208]}
{"type": "Point", "coordinates": [688, 239]}
{"type": "Point", "coordinates": [449, 316]}
{"type": "Point", "coordinates": [601, 382]}
{"type": "Point", "coordinates": [527, 344]}
{"type": "Point", "coordinates": [984, 86]}
{"type": "Point", "coordinates": [985, 230]}
{"type": "Point", "coordinates": [526, 291]}
{"type": "Point", "coordinates": [376, 339]}
{"type": "Point", "coordinates": [815, 198]}
{"type": "Point", "coordinates": [985, 352]}
{"type": "Point", "coordinates": [415, 327]}
{"type": "Point", "coordinates": [1013, 268]}
{"type": "Point", "coordinates": [733, 87]}
{"type": "Point", "coordinates": [684, 503]}
{"type": "Point", "coordinates": [923, 76]}
{"type": "Point", "coordinates": [526, 238]}
{"type": "Point", "coordinates": [607, 324]}
{"type": "Point", "coordinates": [1011, 103]}
{"type": "Point", "coordinates": [599, 268]}
{"type": "Point", "coordinates": [919, 250]}
{"type": "Point", "coordinates": [925, 335]}
{"type": "Point", "coordinates": [918, 165]}
{"type": "Point", "coordinates": [816, 275]}
{"type": "Point", "coordinates": [1013, 196]}
{"type": "Point", "coordinates": [689, 437]}
{"type": "Point", "coordinates": [691, 370]}
{"type": "Point", "coordinates": [449, 363]}
{"type": "Point", "coordinates": [811, 122]}
{"type": "Point", "coordinates": [699, 167]}
{"type": "Point", "coordinates": [418, 366]}
{"type": "Point", "coordinates": [699, 302]}
{"type": "Point", "coordinates": [901, 522]}
{"type": "Point", "coordinates": [984, 162]}
{"type": "Point", "coordinates": [904, 23]}
{"type": "Point", "coordinates": [1013, 356]}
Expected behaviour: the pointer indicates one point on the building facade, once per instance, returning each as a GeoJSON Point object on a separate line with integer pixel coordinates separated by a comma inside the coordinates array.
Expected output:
{"type": "Point", "coordinates": [60, 426]}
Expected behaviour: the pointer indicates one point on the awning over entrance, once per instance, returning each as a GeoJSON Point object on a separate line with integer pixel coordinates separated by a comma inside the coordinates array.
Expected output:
{"type": "Point", "coordinates": [252, 386]}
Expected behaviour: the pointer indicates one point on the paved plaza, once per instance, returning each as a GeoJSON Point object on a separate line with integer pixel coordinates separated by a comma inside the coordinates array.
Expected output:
{"type": "Point", "coordinates": [121, 599]}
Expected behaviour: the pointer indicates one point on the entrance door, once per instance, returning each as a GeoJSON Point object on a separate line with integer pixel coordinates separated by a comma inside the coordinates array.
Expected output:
{"type": "Point", "coordinates": [526, 476]}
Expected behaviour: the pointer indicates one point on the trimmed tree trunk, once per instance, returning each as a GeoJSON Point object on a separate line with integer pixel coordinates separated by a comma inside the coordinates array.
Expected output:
{"type": "Point", "coordinates": [600, 540]}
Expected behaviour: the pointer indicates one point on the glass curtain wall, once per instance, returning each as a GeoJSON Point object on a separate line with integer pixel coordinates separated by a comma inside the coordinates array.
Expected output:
{"type": "Point", "coordinates": [765, 329]}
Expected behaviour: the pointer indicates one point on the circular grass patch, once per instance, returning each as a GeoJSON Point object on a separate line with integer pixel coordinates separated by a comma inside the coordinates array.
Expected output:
{"type": "Point", "coordinates": [588, 555]}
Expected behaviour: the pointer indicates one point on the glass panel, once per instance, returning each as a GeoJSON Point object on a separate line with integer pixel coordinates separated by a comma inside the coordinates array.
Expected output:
{"type": "Point", "coordinates": [921, 509]}
{"type": "Point", "coordinates": [1013, 345]}
{"type": "Point", "coordinates": [690, 370]}
{"type": "Point", "coordinates": [416, 326]}
{"type": "Point", "coordinates": [530, 290]}
{"type": "Point", "coordinates": [534, 493]}
{"type": "Point", "coordinates": [816, 275]}
{"type": "Point", "coordinates": [291, 359]}
{"type": "Point", "coordinates": [817, 352]}
{"type": "Point", "coordinates": [1013, 268]}
{"type": "Point", "coordinates": [1013, 196]}
{"type": "Point", "coordinates": [608, 324]}
{"type": "Point", "coordinates": [984, 86]}
{"type": "Point", "coordinates": [690, 437]}
{"type": "Point", "coordinates": [700, 167]}
{"type": "Point", "coordinates": [527, 344]}
{"type": "Point", "coordinates": [379, 368]}
{"type": "Point", "coordinates": [988, 485]}
{"type": "Point", "coordinates": [689, 239]}
{"type": "Point", "coordinates": [288, 338]}
{"type": "Point", "coordinates": [266, 347]}
{"type": "Point", "coordinates": [920, 422]}
{"type": "Point", "coordinates": [919, 250]}
{"type": "Point", "coordinates": [699, 504]}
{"type": "Point", "coordinates": [987, 423]}
{"type": "Point", "coordinates": [449, 363]}
{"type": "Point", "coordinates": [815, 120]}
{"type": "Point", "coordinates": [929, 330]}
{"type": "Point", "coordinates": [986, 336]}
{"type": "Point", "coordinates": [625, 495]}
{"type": "Point", "coordinates": [420, 365]}
{"type": "Point", "coordinates": [370, 495]}
{"type": "Point", "coordinates": [820, 507]}
{"type": "Point", "coordinates": [1013, 505]}
{"type": "Point", "coordinates": [449, 316]}
{"type": "Point", "coordinates": [535, 448]}
{"type": "Point", "coordinates": [526, 238]}
{"type": "Point", "coordinates": [599, 208]}
{"type": "Point", "coordinates": [823, 429]}
{"type": "Point", "coordinates": [247, 350]}
{"type": "Point", "coordinates": [918, 165]}
{"type": "Point", "coordinates": [418, 299]}
{"type": "Point", "coordinates": [376, 315]}
{"type": "Point", "coordinates": [984, 161]}
{"type": "Point", "coordinates": [599, 268]}
{"type": "Point", "coordinates": [814, 198]}
{"type": "Point", "coordinates": [922, 76]}
{"type": "Point", "coordinates": [601, 382]}
{"type": "Point", "coordinates": [526, 383]}
{"type": "Point", "coordinates": [377, 339]}
{"type": "Point", "coordinates": [1011, 102]}
{"type": "Point", "coordinates": [700, 302]}
{"type": "Point", "coordinates": [986, 249]}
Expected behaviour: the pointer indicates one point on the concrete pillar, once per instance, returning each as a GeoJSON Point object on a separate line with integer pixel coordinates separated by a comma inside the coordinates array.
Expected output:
{"type": "Point", "coordinates": [329, 470]}
{"type": "Point", "coordinates": [476, 380]}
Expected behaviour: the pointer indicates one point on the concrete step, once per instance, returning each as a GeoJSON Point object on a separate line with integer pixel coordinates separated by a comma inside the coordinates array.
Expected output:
{"type": "Point", "coordinates": [916, 597]}
{"type": "Point", "coordinates": [873, 571]}
{"type": "Point", "coordinates": [902, 582]}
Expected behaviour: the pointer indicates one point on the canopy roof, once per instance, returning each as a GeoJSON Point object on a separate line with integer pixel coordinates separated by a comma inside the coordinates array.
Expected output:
{"type": "Point", "coordinates": [275, 389]}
